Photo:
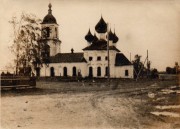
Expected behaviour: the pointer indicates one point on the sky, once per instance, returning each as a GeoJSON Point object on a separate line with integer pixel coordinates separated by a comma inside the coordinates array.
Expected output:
{"type": "Point", "coordinates": [139, 24]}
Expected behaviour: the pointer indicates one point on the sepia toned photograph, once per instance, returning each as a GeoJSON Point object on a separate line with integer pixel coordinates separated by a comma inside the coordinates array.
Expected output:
{"type": "Point", "coordinates": [90, 64]}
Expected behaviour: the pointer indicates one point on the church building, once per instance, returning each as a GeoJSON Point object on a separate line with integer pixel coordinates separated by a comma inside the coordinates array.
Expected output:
{"type": "Point", "coordinates": [92, 62]}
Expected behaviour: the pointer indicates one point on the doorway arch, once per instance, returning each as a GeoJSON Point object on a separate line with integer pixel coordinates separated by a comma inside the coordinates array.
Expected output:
{"type": "Point", "coordinates": [65, 71]}
{"type": "Point", "coordinates": [52, 72]}
{"type": "Point", "coordinates": [74, 71]}
{"type": "Point", "coordinates": [98, 71]}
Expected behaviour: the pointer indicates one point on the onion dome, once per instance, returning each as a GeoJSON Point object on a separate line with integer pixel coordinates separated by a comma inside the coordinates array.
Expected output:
{"type": "Point", "coordinates": [95, 38]}
{"type": "Point", "coordinates": [49, 18]}
{"type": "Point", "coordinates": [101, 26]}
{"type": "Point", "coordinates": [111, 35]}
{"type": "Point", "coordinates": [89, 37]}
{"type": "Point", "coordinates": [115, 40]}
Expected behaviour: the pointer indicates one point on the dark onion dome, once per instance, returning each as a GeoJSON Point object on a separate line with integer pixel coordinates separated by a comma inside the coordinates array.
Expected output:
{"type": "Point", "coordinates": [115, 40]}
{"type": "Point", "coordinates": [49, 18]}
{"type": "Point", "coordinates": [101, 26]}
{"type": "Point", "coordinates": [111, 35]}
{"type": "Point", "coordinates": [95, 38]}
{"type": "Point", "coordinates": [89, 37]}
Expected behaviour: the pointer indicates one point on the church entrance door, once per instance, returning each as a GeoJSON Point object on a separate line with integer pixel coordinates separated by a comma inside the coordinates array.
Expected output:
{"type": "Point", "coordinates": [74, 71]}
{"type": "Point", "coordinates": [52, 71]}
{"type": "Point", "coordinates": [65, 71]}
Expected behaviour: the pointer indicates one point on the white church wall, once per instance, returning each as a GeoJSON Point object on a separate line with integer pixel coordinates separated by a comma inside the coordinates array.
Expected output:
{"type": "Point", "coordinates": [95, 63]}
{"type": "Point", "coordinates": [58, 69]}
{"type": "Point", "coordinates": [54, 34]}
{"type": "Point", "coordinates": [44, 71]}
{"type": "Point", "coordinates": [103, 63]}
{"type": "Point", "coordinates": [120, 71]}
{"type": "Point", "coordinates": [112, 57]}
{"type": "Point", "coordinates": [52, 48]}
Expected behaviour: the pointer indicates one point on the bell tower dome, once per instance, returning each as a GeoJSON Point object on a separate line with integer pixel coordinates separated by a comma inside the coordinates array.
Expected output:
{"type": "Point", "coordinates": [50, 33]}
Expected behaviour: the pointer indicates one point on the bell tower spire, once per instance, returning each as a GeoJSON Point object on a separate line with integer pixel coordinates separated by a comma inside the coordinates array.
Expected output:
{"type": "Point", "coordinates": [50, 33]}
{"type": "Point", "coordinates": [49, 11]}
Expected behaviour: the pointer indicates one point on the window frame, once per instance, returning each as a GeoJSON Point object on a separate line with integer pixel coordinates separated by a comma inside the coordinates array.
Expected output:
{"type": "Point", "coordinates": [98, 58]}
{"type": "Point", "coordinates": [90, 58]}
{"type": "Point", "coordinates": [126, 73]}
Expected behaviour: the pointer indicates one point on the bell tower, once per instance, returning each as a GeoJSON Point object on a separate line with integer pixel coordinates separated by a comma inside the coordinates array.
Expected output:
{"type": "Point", "coordinates": [50, 33]}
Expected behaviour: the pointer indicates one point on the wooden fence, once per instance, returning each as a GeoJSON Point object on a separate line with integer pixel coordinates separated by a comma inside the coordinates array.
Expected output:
{"type": "Point", "coordinates": [17, 81]}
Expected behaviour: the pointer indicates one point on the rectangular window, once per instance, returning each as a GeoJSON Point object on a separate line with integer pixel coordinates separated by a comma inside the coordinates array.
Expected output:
{"type": "Point", "coordinates": [90, 58]}
{"type": "Point", "coordinates": [126, 73]}
{"type": "Point", "coordinates": [98, 58]}
{"type": "Point", "coordinates": [106, 58]}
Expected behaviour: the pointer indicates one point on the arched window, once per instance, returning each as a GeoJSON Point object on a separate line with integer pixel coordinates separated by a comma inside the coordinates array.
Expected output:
{"type": "Point", "coordinates": [56, 32]}
{"type": "Point", "coordinates": [90, 72]}
{"type": "Point", "coordinates": [74, 71]}
{"type": "Point", "coordinates": [99, 71]}
{"type": "Point", "coordinates": [90, 58]}
{"type": "Point", "coordinates": [65, 71]}
{"type": "Point", "coordinates": [47, 32]}
{"type": "Point", "coordinates": [52, 71]}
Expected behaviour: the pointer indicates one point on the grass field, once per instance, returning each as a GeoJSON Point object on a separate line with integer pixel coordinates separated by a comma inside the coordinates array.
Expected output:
{"type": "Point", "coordinates": [124, 104]}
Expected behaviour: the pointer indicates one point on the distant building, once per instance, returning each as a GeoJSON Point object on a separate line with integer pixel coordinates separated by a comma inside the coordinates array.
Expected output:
{"type": "Point", "coordinates": [92, 62]}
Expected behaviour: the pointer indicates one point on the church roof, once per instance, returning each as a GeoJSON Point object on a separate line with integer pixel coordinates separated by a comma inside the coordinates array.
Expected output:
{"type": "Point", "coordinates": [49, 18]}
{"type": "Point", "coordinates": [101, 26]}
{"type": "Point", "coordinates": [89, 37]}
{"type": "Point", "coordinates": [111, 35]}
{"type": "Point", "coordinates": [115, 39]}
{"type": "Point", "coordinates": [68, 58]}
{"type": "Point", "coordinates": [95, 38]}
{"type": "Point", "coordinates": [100, 45]}
{"type": "Point", "coordinates": [121, 60]}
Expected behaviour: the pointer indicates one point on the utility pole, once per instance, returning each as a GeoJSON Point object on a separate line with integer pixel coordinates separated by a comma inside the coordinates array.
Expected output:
{"type": "Point", "coordinates": [147, 56]}
{"type": "Point", "coordinates": [108, 52]}
{"type": "Point", "coordinates": [148, 69]}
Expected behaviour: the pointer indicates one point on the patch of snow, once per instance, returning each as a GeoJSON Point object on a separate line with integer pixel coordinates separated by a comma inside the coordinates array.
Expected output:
{"type": "Point", "coordinates": [174, 87]}
{"type": "Point", "coordinates": [160, 98]}
{"type": "Point", "coordinates": [168, 107]}
{"type": "Point", "coordinates": [154, 85]}
{"type": "Point", "coordinates": [167, 91]}
{"type": "Point", "coordinates": [151, 95]}
{"type": "Point", "coordinates": [170, 114]}
{"type": "Point", "coordinates": [178, 91]}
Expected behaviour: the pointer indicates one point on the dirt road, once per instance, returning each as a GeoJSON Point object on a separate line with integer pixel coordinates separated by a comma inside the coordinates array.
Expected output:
{"type": "Point", "coordinates": [63, 111]}
{"type": "Point", "coordinates": [120, 108]}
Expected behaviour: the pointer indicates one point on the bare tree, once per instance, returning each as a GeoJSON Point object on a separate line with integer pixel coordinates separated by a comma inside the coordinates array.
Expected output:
{"type": "Point", "coordinates": [138, 65]}
{"type": "Point", "coordinates": [26, 33]}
